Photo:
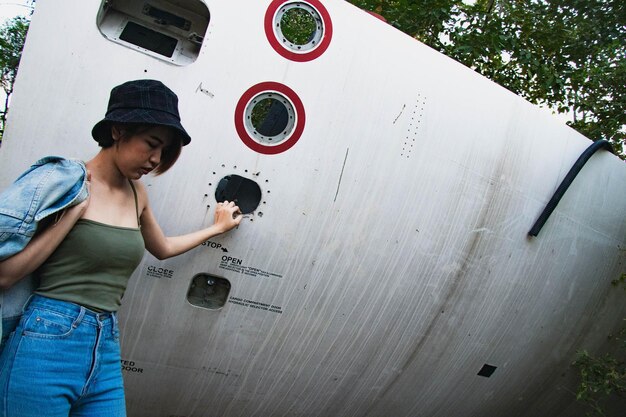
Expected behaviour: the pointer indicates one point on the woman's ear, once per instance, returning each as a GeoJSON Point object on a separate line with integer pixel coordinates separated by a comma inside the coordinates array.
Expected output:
{"type": "Point", "coordinates": [116, 132]}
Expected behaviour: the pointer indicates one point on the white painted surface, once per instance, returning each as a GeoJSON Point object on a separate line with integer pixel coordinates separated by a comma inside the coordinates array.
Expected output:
{"type": "Point", "coordinates": [397, 282]}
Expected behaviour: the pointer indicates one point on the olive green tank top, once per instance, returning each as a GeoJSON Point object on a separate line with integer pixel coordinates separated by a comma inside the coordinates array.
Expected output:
{"type": "Point", "coordinates": [92, 265]}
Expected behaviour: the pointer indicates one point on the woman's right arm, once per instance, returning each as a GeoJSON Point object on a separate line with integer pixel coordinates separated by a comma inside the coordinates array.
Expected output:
{"type": "Point", "coordinates": [39, 248]}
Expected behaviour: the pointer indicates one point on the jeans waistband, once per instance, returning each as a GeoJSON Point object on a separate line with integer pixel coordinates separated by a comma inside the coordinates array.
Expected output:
{"type": "Point", "coordinates": [73, 310]}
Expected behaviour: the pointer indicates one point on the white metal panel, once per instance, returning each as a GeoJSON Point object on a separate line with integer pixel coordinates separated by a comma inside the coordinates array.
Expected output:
{"type": "Point", "coordinates": [398, 271]}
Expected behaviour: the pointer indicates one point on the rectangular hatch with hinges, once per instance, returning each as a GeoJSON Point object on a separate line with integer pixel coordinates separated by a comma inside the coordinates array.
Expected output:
{"type": "Point", "coordinates": [166, 30]}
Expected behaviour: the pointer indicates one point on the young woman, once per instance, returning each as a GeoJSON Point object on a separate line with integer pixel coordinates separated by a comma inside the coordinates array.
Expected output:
{"type": "Point", "coordinates": [63, 359]}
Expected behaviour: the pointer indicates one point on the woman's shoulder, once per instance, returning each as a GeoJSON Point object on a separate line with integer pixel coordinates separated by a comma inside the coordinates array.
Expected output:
{"type": "Point", "coordinates": [142, 193]}
{"type": "Point", "coordinates": [61, 161]}
{"type": "Point", "coordinates": [53, 170]}
{"type": "Point", "coordinates": [139, 186]}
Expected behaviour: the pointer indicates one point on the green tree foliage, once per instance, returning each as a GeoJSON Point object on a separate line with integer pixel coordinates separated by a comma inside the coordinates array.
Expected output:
{"type": "Point", "coordinates": [601, 377]}
{"type": "Point", "coordinates": [568, 55]}
{"type": "Point", "coordinates": [298, 26]}
{"type": "Point", "coordinates": [12, 37]}
{"type": "Point", "coordinates": [424, 20]}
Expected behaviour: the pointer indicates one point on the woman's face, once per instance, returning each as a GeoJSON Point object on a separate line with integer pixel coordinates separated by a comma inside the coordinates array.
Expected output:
{"type": "Point", "coordinates": [139, 154]}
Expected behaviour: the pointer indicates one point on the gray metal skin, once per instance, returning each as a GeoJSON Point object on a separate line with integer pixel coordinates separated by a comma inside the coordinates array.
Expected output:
{"type": "Point", "coordinates": [391, 239]}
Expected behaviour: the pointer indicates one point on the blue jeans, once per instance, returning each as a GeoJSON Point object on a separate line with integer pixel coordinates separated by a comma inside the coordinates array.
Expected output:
{"type": "Point", "coordinates": [62, 360]}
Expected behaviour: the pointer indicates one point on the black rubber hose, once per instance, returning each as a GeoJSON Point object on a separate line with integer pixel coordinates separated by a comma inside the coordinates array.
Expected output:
{"type": "Point", "coordinates": [567, 181]}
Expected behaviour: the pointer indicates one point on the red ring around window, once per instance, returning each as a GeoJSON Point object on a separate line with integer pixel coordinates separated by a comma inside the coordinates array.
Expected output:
{"type": "Point", "coordinates": [244, 135]}
{"type": "Point", "coordinates": [285, 52]}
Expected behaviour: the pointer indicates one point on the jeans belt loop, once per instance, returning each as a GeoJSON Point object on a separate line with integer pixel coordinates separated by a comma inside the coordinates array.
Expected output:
{"type": "Point", "coordinates": [79, 319]}
{"type": "Point", "coordinates": [30, 297]}
{"type": "Point", "coordinates": [113, 322]}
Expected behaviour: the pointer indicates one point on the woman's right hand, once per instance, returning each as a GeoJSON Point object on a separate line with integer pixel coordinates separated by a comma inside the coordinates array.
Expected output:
{"type": "Point", "coordinates": [83, 204]}
{"type": "Point", "coordinates": [79, 209]}
{"type": "Point", "coordinates": [42, 244]}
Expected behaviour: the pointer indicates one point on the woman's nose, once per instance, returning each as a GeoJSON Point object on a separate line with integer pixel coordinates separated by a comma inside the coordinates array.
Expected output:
{"type": "Point", "coordinates": [155, 156]}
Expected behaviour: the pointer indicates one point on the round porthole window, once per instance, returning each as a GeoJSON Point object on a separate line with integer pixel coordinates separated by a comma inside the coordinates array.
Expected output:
{"type": "Point", "coordinates": [299, 31]}
{"type": "Point", "coordinates": [269, 118]}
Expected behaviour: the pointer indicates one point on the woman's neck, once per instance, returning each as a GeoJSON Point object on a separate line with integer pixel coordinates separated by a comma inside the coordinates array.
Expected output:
{"type": "Point", "coordinates": [104, 170]}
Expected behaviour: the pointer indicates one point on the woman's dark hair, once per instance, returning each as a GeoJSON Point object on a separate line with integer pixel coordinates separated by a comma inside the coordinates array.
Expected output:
{"type": "Point", "coordinates": [169, 155]}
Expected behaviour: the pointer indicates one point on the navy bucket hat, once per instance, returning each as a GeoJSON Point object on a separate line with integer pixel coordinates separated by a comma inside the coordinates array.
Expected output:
{"type": "Point", "coordinates": [147, 102]}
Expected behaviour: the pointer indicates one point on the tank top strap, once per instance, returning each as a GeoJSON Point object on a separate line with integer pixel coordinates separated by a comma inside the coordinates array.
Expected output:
{"type": "Point", "coordinates": [132, 186]}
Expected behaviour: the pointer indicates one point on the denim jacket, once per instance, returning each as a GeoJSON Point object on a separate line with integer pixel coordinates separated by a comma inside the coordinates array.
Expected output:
{"type": "Point", "coordinates": [47, 187]}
